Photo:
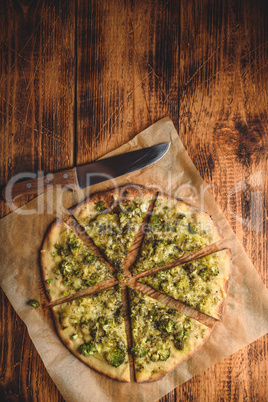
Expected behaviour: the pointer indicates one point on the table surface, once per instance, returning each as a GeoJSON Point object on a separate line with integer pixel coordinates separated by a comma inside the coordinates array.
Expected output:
{"type": "Point", "coordinates": [80, 78]}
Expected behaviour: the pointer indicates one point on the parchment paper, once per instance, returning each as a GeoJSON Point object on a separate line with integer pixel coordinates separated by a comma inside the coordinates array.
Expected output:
{"type": "Point", "coordinates": [21, 235]}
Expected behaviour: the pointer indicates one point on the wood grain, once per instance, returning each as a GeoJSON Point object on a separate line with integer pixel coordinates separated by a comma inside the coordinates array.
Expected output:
{"type": "Point", "coordinates": [36, 119]}
{"type": "Point", "coordinates": [81, 78]}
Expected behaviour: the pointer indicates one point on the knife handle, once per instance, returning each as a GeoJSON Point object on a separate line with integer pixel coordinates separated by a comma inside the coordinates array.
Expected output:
{"type": "Point", "coordinates": [65, 178]}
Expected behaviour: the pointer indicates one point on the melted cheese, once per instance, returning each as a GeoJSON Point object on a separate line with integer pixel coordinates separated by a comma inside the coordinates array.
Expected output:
{"type": "Point", "coordinates": [93, 326]}
{"type": "Point", "coordinates": [68, 264]}
{"type": "Point", "coordinates": [162, 337]}
{"type": "Point", "coordinates": [175, 229]}
{"type": "Point", "coordinates": [199, 283]}
{"type": "Point", "coordinates": [114, 231]}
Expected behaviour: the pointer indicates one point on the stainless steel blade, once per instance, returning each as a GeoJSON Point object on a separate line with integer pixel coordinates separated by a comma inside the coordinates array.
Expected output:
{"type": "Point", "coordinates": [110, 168]}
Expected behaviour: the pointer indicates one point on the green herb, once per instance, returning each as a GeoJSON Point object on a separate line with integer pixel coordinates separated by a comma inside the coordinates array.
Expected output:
{"type": "Point", "coordinates": [53, 254]}
{"type": "Point", "coordinates": [33, 303]}
{"type": "Point", "coordinates": [66, 283]}
{"type": "Point", "coordinates": [49, 280]}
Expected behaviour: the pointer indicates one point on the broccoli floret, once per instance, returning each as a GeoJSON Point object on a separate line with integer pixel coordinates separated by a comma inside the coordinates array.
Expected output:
{"type": "Point", "coordinates": [87, 349]}
{"type": "Point", "coordinates": [100, 206]}
{"type": "Point", "coordinates": [166, 325]}
{"type": "Point", "coordinates": [34, 303]}
{"type": "Point", "coordinates": [179, 344]}
{"type": "Point", "coordinates": [156, 220]}
{"type": "Point", "coordinates": [192, 228]}
{"type": "Point", "coordinates": [66, 267]}
{"type": "Point", "coordinates": [204, 274]}
{"type": "Point", "coordinates": [115, 357]}
{"type": "Point", "coordinates": [73, 245]}
{"type": "Point", "coordinates": [90, 258]}
{"type": "Point", "coordinates": [215, 271]}
{"type": "Point", "coordinates": [139, 351]}
{"type": "Point", "coordinates": [162, 356]}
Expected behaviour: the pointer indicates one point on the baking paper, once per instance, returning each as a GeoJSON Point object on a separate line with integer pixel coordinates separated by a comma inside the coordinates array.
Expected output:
{"type": "Point", "coordinates": [21, 236]}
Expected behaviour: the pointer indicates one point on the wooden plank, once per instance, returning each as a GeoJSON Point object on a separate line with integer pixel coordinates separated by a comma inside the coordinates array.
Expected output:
{"type": "Point", "coordinates": [36, 118]}
{"type": "Point", "coordinates": [127, 76]}
{"type": "Point", "coordinates": [223, 124]}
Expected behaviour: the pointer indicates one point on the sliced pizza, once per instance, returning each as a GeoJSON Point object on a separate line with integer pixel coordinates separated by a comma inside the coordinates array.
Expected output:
{"type": "Point", "coordinates": [162, 337]}
{"type": "Point", "coordinates": [93, 329]}
{"type": "Point", "coordinates": [67, 264]}
{"type": "Point", "coordinates": [201, 283]}
{"type": "Point", "coordinates": [112, 220]}
{"type": "Point", "coordinates": [175, 230]}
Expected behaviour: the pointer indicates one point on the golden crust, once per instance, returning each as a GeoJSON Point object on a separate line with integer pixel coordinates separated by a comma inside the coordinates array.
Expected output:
{"type": "Point", "coordinates": [57, 224]}
{"type": "Point", "coordinates": [220, 307]}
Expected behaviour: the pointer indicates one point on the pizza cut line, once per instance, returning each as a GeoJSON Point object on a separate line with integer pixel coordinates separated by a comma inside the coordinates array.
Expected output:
{"type": "Point", "coordinates": [107, 326]}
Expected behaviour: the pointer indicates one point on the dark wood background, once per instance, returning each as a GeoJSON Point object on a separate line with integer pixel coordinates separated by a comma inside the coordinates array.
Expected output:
{"type": "Point", "coordinates": [80, 78]}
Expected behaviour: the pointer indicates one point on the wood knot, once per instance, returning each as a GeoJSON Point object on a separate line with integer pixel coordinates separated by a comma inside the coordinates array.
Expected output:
{"type": "Point", "coordinates": [246, 141]}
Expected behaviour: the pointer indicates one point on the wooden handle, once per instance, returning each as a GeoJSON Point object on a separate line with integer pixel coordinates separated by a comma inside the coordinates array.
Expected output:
{"type": "Point", "coordinates": [65, 178]}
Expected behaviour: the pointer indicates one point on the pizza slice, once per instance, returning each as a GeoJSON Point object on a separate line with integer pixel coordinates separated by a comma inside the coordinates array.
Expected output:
{"type": "Point", "coordinates": [201, 283]}
{"type": "Point", "coordinates": [175, 230]}
{"type": "Point", "coordinates": [93, 329]}
{"type": "Point", "coordinates": [67, 264]}
{"type": "Point", "coordinates": [162, 337]}
{"type": "Point", "coordinates": [112, 220]}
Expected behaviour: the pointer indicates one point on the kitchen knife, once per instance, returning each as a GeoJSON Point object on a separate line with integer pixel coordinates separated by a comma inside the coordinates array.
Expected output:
{"type": "Point", "coordinates": [85, 175]}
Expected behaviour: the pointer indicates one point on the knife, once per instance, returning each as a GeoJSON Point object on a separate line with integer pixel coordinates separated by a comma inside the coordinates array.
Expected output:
{"type": "Point", "coordinates": [85, 175]}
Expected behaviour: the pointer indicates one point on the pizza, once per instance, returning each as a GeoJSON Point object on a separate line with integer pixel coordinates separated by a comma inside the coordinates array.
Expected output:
{"type": "Point", "coordinates": [99, 283]}
{"type": "Point", "coordinates": [93, 328]}
{"type": "Point", "coordinates": [175, 229]}
{"type": "Point", "coordinates": [200, 283]}
{"type": "Point", "coordinates": [67, 264]}
{"type": "Point", "coordinates": [112, 220]}
{"type": "Point", "coordinates": [162, 337]}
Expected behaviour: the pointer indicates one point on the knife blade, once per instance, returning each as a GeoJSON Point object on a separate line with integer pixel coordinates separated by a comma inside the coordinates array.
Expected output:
{"type": "Point", "coordinates": [84, 175]}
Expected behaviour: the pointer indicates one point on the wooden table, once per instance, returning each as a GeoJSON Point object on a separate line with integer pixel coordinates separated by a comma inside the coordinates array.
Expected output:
{"type": "Point", "coordinates": [80, 78]}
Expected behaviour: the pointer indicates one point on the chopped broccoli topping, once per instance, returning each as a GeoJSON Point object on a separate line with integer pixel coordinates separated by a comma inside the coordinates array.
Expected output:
{"type": "Point", "coordinates": [156, 220]}
{"type": "Point", "coordinates": [139, 351]}
{"type": "Point", "coordinates": [162, 356]}
{"type": "Point", "coordinates": [87, 349]}
{"type": "Point", "coordinates": [34, 303]}
{"type": "Point", "coordinates": [73, 337]}
{"type": "Point", "coordinates": [53, 254]}
{"type": "Point", "coordinates": [166, 325]}
{"type": "Point", "coordinates": [192, 228]}
{"type": "Point", "coordinates": [58, 246]}
{"type": "Point", "coordinates": [90, 258]}
{"type": "Point", "coordinates": [179, 344]}
{"type": "Point", "coordinates": [181, 216]}
{"type": "Point", "coordinates": [115, 357]}
{"type": "Point", "coordinates": [49, 281]}
{"type": "Point", "coordinates": [100, 206]}
{"type": "Point", "coordinates": [66, 267]}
